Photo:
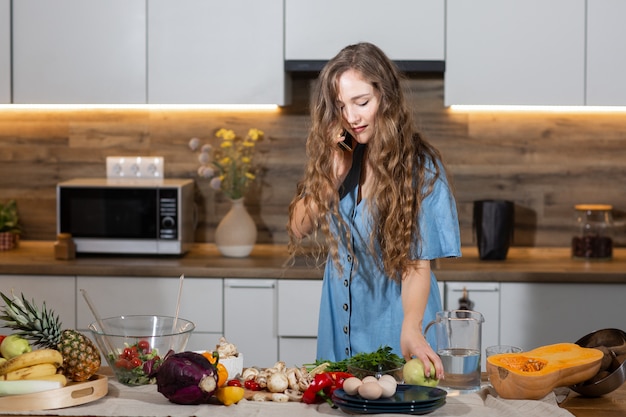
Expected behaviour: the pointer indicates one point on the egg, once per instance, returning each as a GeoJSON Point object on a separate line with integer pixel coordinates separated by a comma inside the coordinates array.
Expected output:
{"type": "Point", "coordinates": [387, 377]}
{"type": "Point", "coordinates": [389, 387]}
{"type": "Point", "coordinates": [369, 378]}
{"type": "Point", "coordinates": [351, 385]}
{"type": "Point", "coordinates": [370, 390]}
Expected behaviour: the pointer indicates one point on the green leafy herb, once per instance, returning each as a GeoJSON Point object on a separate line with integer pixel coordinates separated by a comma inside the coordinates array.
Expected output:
{"type": "Point", "coordinates": [383, 358]}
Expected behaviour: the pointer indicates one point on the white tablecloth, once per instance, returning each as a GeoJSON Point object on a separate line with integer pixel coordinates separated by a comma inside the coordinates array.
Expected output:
{"type": "Point", "coordinates": [146, 401]}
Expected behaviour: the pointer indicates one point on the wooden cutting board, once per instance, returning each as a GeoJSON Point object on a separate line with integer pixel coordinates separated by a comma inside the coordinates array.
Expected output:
{"type": "Point", "coordinates": [74, 393]}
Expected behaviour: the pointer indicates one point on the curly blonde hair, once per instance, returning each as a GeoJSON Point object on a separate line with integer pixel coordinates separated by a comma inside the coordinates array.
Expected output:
{"type": "Point", "coordinates": [397, 153]}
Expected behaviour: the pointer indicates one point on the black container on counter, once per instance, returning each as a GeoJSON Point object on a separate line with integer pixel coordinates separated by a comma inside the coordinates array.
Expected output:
{"type": "Point", "coordinates": [593, 229]}
{"type": "Point", "coordinates": [494, 221]}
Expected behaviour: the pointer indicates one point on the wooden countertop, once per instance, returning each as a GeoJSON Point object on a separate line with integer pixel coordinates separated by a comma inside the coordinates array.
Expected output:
{"type": "Point", "coordinates": [612, 404]}
{"type": "Point", "coordinates": [202, 261]}
{"type": "Point", "coordinates": [532, 264]}
{"type": "Point", "coordinates": [268, 261]}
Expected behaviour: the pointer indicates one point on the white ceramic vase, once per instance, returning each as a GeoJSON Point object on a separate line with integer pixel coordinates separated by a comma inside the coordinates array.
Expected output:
{"type": "Point", "coordinates": [236, 233]}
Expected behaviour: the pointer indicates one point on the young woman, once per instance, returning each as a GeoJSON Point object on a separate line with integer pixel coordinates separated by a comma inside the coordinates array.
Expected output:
{"type": "Point", "coordinates": [382, 210]}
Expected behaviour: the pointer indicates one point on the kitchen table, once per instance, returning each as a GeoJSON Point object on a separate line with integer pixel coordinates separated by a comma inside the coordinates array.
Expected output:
{"type": "Point", "coordinates": [147, 401]}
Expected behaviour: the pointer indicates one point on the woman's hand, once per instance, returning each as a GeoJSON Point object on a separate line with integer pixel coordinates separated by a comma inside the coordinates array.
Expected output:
{"type": "Point", "coordinates": [342, 162]}
{"type": "Point", "coordinates": [414, 345]}
{"type": "Point", "coordinates": [415, 290]}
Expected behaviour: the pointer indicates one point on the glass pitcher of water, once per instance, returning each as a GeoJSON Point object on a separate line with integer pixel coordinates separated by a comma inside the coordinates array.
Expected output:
{"type": "Point", "coordinates": [458, 335]}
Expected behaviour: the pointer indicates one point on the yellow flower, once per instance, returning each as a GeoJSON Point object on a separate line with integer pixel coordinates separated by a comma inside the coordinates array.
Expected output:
{"type": "Point", "coordinates": [225, 134]}
{"type": "Point", "coordinates": [255, 134]}
{"type": "Point", "coordinates": [230, 166]}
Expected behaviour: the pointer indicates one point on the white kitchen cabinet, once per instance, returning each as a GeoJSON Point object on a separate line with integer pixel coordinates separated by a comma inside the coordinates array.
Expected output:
{"type": "Point", "coordinates": [58, 292]}
{"type": "Point", "coordinates": [250, 312]}
{"type": "Point", "coordinates": [210, 52]}
{"type": "Point", "coordinates": [515, 52]}
{"type": "Point", "coordinates": [404, 29]}
{"type": "Point", "coordinates": [606, 61]}
{"type": "Point", "coordinates": [298, 314]}
{"type": "Point", "coordinates": [5, 51]}
{"type": "Point", "coordinates": [537, 314]}
{"type": "Point", "coordinates": [201, 302]}
{"type": "Point", "coordinates": [486, 299]}
{"type": "Point", "coordinates": [73, 51]}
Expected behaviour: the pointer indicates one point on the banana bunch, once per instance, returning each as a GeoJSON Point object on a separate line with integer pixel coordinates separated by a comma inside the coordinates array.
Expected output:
{"type": "Point", "coordinates": [32, 372]}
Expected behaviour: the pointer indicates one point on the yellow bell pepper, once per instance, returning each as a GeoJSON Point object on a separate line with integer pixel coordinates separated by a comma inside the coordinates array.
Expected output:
{"type": "Point", "coordinates": [229, 395]}
{"type": "Point", "coordinates": [222, 372]}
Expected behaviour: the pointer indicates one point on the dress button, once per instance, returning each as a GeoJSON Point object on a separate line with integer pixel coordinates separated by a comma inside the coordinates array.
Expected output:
{"type": "Point", "coordinates": [345, 307]}
{"type": "Point", "coordinates": [345, 283]}
{"type": "Point", "coordinates": [345, 329]}
{"type": "Point", "coordinates": [347, 351]}
{"type": "Point", "coordinates": [349, 258]}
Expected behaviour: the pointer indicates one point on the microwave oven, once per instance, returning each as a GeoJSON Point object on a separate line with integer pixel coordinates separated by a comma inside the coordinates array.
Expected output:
{"type": "Point", "coordinates": [127, 216]}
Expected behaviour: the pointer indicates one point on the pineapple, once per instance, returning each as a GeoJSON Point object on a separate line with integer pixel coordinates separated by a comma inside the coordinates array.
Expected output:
{"type": "Point", "coordinates": [81, 358]}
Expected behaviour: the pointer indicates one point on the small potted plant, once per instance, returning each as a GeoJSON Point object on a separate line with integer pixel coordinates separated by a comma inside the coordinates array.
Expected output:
{"type": "Point", "coordinates": [9, 225]}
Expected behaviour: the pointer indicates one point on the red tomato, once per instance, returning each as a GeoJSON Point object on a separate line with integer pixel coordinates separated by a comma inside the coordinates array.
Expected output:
{"type": "Point", "coordinates": [127, 353]}
{"type": "Point", "coordinates": [135, 362]}
{"type": "Point", "coordinates": [143, 345]}
{"type": "Point", "coordinates": [122, 363]}
{"type": "Point", "coordinates": [234, 383]}
{"type": "Point", "coordinates": [252, 385]}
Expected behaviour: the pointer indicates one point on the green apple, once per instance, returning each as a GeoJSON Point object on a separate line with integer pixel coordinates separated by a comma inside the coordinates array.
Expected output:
{"type": "Point", "coordinates": [413, 372]}
{"type": "Point", "coordinates": [14, 345]}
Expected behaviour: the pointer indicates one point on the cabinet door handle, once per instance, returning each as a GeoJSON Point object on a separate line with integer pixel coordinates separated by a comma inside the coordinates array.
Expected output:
{"type": "Point", "coordinates": [237, 283]}
{"type": "Point", "coordinates": [470, 289]}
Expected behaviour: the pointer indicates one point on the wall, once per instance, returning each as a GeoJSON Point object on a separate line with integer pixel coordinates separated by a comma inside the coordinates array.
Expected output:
{"type": "Point", "coordinates": [544, 162]}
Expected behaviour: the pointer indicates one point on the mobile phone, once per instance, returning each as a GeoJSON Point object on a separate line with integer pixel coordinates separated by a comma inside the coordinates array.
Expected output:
{"type": "Point", "coordinates": [347, 144]}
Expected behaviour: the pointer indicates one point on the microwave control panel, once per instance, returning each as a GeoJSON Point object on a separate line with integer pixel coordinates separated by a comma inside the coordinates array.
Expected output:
{"type": "Point", "coordinates": [168, 213]}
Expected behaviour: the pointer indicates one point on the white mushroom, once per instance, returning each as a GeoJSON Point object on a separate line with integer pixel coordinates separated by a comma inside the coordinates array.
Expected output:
{"type": "Point", "coordinates": [259, 396]}
{"type": "Point", "coordinates": [280, 398]}
{"type": "Point", "coordinates": [261, 379]}
{"type": "Point", "coordinates": [225, 349]}
{"type": "Point", "coordinates": [292, 377]}
{"type": "Point", "coordinates": [279, 366]}
{"type": "Point", "coordinates": [277, 382]}
{"type": "Point", "coordinates": [250, 374]}
{"type": "Point", "coordinates": [294, 395]}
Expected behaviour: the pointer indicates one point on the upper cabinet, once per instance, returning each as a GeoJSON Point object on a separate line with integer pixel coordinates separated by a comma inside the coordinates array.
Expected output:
{"type": "Point", "coordinates": [224, 52]}
{"type": "Point", "coordinates": [528, 52]}
{"type": "Point", "coordinates": [5, 51]}
{"type": "Point", "coordinates": [407, 30]}
{"type": "Point", "coordinates": [147, 51]}
{"type": "Point", "coordinates": [73, 51]}
{"type": "Point", "coordinates": [606, 60]}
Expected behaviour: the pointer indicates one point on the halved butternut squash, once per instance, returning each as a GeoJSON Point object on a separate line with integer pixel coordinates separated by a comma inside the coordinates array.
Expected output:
{"type": "Point", "coordinates": [532, 375]}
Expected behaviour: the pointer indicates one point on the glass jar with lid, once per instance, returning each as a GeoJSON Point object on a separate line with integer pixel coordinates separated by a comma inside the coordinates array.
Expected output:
{"type": "Point", "coordinates": [592, 237]}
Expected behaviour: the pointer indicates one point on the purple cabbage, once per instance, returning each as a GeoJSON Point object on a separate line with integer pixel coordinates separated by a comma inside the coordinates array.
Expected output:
{"type": "Point", "coordinates": [187, 378]}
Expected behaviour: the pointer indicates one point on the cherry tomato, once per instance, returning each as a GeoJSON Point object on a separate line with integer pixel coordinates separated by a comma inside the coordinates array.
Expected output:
{"type": "Point", "coordinates": [234, 383]}
{"type": "Point", "coordinates": [143, 345]}
{"type": "Point", "coordinates": [252, 385]}
{"type": "Point", "coordinates": [135, 362]}
{"type": "Point", "coordinates": [122, 363]}
{"type": "Point", "coordinates": [127, 353]}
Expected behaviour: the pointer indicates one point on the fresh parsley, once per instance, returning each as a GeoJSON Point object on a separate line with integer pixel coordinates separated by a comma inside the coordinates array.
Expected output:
{"type": "Point", "coordinates": [383, 358]}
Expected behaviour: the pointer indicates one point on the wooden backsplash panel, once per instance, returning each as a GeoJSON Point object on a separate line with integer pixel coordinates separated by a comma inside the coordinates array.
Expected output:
{"type": "Point", "coordinates": [544, 162]}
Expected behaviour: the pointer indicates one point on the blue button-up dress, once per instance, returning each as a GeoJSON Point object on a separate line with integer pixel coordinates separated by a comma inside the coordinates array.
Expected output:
{"type": "Point", "coordinates": [361, 308]}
